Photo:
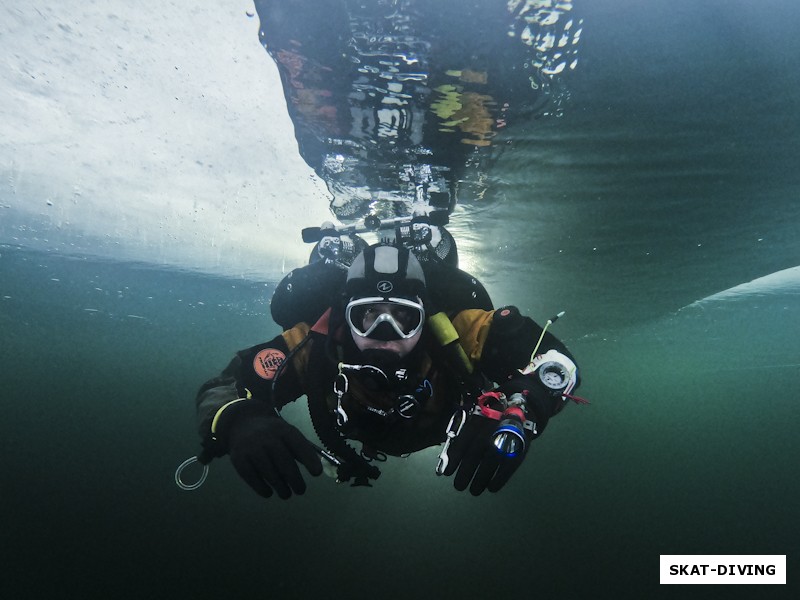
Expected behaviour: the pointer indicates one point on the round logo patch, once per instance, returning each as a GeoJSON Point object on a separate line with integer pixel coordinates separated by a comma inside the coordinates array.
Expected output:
{"type": "Point", "coordinates": [267, 361]}
{"type": "Point", "coordinates": [384, 287]}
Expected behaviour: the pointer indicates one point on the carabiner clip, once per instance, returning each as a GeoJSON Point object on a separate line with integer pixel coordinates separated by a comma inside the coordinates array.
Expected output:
{"type": "Point", "coordinates": [340, 391]}
{"type": "Point", "coordinates": [453, 429]}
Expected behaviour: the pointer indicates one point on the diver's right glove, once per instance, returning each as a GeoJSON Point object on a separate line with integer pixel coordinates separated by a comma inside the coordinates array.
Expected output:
{"type": "Point", "coordinates": [265, 449]}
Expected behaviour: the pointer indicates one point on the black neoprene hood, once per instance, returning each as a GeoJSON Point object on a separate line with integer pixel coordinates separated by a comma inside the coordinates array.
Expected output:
{"type": "Point", "coordinates": [385, 271]}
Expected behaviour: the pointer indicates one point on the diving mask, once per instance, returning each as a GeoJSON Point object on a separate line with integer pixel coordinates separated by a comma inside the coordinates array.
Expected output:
{"type": "Point", "coordinates": [385, 318]}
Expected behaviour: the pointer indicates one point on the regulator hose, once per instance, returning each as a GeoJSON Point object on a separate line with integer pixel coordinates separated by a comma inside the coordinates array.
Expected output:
{"type": "Point", "coordinates": [353, 464]}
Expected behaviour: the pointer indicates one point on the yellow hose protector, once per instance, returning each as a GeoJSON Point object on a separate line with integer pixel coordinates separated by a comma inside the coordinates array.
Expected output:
{"type": "Point", "coordinates": [443, 328]}
{"type": "Point", "coordinates": [215, 421]}
{"type": "Point", "coordinates": [446, 335]}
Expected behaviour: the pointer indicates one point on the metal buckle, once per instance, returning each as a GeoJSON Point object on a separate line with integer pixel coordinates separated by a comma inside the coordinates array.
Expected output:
{"type": "Point", "coordinates": [453, 429]}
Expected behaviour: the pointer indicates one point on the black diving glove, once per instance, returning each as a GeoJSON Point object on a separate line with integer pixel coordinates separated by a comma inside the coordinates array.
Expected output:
{"type": "Point", "coordinates": [482, 452]}
{"type": "Point", "coordinates": [478, 462]}
{"type": "Point", "coordinates": [265, 449]}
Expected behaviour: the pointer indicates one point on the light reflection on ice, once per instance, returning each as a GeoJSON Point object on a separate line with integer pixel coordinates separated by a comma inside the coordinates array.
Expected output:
{"type": "Point", "coordinates": [143, 132]}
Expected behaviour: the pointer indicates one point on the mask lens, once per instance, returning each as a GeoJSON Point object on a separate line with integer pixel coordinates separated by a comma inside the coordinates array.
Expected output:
{"type": "Point", "coordinates": [367, 315]}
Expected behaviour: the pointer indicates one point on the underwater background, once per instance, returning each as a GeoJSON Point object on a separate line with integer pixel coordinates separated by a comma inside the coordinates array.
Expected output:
{"type": "Point", "coordinates": [148, 209]}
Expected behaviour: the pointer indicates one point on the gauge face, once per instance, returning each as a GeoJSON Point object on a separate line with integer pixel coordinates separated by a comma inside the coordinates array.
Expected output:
{"type": "Point", "coordinates": [553, 375]}
{"type": "Point", "coordinates": [553, 379]}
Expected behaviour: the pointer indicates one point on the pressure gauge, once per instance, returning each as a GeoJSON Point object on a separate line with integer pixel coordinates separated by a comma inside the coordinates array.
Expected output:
{"type": "Point", "coordinates": [554, 375]}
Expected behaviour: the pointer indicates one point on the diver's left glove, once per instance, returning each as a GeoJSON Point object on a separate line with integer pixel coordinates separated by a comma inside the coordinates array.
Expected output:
{"type": "Point", "coordinates": [496, 438]}
{"type": "Point", "coordinates": [265, 449]}
{"type": "Point", "coordinates": [477, 462]}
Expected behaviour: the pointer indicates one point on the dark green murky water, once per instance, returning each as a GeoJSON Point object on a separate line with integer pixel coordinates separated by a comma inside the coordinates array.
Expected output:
{"type": "Point", "coordinates": [670, 179]}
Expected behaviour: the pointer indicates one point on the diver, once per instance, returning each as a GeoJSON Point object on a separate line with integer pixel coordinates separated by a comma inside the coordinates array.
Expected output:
{"type": "Point", "coordinates": [385, 368]}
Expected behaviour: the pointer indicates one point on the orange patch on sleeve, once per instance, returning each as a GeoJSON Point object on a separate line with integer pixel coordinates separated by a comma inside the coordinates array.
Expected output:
{"type": "Point", "coordinates": [267, 362]}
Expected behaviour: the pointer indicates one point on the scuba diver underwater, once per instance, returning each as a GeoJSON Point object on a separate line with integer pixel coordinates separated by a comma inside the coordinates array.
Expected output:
{"type": "Point", "coordinates": [396, 350]}
{"type": "Point", "coordinates": [401, 108]}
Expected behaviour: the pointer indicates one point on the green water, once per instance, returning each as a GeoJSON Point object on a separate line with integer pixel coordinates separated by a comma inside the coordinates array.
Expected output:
{"type": "Point", "coordinates": [689, 446]}
{"type": "Point", "coordinates": [670, 178]}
